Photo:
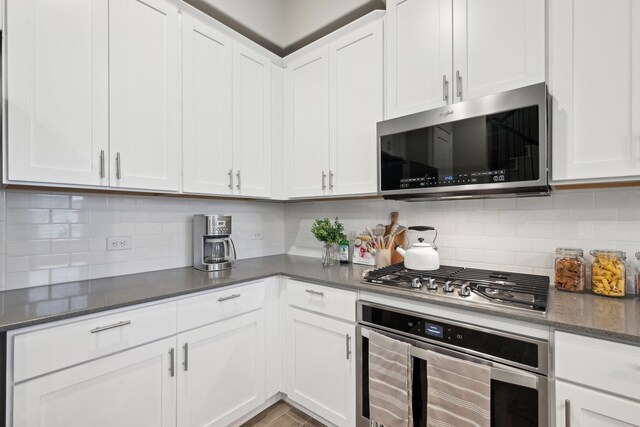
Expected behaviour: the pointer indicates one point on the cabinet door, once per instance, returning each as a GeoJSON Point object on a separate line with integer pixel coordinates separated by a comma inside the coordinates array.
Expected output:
{"type": "Point", "coordinates": [320, 366]}
{"type": "Point", "coordinates": [222, 371]}
{"type": "Point", "coordinates": [356, 90]}
{"type": "Point", "coordinates": [252, 122]}
{"type": "Point", "coordinates": [590, 408]}
{"type": "Point", "coordinates": [135, 388]}
{"type": "Point", "coordinates": [594, 58]}
{"type": "Point", "coordinates": [419, 52]}
{"type": "Point", "coordinates": [145, 94]}
{"type": "Point", "coordinates": [207, 100]}
{"type": "Point", "coordinates": [307, 124]}
{"type": "Point", "coordinates": [499, 46]}
{"type": "Point", "coordinates": [58, 91]}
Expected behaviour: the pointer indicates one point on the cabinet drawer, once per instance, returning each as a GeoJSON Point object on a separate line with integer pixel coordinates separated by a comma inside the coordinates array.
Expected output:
{"type": "Point", "coordinates": [211, 307]}
{"type": "Point", "coordinates": [44, 350]}
{"type": "Point", "coordinates": [322, 299]}
{"type": "Point", "coordinates": [601, 364]}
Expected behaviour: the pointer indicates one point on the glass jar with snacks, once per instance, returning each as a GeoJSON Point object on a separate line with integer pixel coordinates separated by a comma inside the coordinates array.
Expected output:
{"type": "Point", "coordinates": [608, 273]}
{"type": "Point", "coordinates": [570, 270]}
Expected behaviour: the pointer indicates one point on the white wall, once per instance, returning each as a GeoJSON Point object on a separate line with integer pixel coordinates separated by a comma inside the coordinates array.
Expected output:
{"type": "Point", "coordinates": [510, 234]}
{"type": "Point", "coordinates": [304, 17]}
{"type": "Point", "coordinates": [55, 237]}
{"type": "Point", "coordinates": [265, 17]}
{"type": "Point", "coordinates": [285, 22]}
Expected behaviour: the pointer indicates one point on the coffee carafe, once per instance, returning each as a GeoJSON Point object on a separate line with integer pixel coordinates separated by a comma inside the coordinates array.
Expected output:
{"type": "Point", "coordinates": [213, 248]}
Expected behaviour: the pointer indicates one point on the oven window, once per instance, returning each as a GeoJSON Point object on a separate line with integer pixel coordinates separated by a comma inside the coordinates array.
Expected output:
{"type": "Point", "coordinates": [513, 405]}
{"type": "Point", "coordinates": [489, 149]}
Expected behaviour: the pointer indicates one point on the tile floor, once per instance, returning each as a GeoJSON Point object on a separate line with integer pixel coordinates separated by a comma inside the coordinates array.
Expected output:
{"type": "Point", "coordinates": [282, 414]}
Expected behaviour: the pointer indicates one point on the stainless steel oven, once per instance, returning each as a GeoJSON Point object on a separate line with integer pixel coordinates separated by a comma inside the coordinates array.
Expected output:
{"type": "Point", "coordinates": [519, 365]}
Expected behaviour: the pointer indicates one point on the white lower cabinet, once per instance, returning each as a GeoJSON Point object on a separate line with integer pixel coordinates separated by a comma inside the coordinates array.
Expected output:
{"type": "Point", "coordinates": [320, 365]}
{"type": "Point", "coordinates": [222, 371]}
{"type": "Point", "coordinates": [133, 388]}
{"type": "Point", "coordinates": [597, 382]}
{"type": "Point", "coordinates": [583, 407]}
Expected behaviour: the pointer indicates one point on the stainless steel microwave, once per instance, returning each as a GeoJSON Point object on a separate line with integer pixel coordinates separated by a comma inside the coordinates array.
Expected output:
{"type": "Point", "coordinates": [494, 146]}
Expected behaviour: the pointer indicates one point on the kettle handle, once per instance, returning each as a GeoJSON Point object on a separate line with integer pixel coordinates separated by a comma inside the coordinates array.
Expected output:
{"type": "Point", "coordinates": [426, 228]}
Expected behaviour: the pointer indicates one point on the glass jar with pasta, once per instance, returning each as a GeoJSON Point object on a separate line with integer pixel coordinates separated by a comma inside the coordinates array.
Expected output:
{"type": "Point", "coordinates": [570, 270]}
{"type": "Point", "coordinates": [608, 273]}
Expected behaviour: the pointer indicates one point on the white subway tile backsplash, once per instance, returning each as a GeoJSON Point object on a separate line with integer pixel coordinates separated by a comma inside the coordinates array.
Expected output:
{"type": "Point", "coordinates": [69, 245]}
{"type": "Point", "coordinates": [43, 262]}
{"type": "Point", "coordinates": [53, 238]}
{"type": "Point", "coordinates": [69, 216]}
{"type": "Point", "coordinates": [28, 216]}
{"type": "Point", "coordinates": [28, 247]}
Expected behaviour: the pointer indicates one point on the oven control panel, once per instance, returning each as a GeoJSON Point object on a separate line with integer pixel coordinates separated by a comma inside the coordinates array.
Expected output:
{"type": "Point", "coordinates": [461, 337]}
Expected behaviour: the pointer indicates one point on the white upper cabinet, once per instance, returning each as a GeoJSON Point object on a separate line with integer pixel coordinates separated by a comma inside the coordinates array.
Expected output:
{"type": "Point", "coordinates": [444, 51]}
{"type": "Point", "coordinates": [58, 91]}
{"type": "Point", "coordinates": [226, 113]}
{"type": "Point", "coordinates": [356, 93]}
{"type": "Point", "coordinates": [334, 97]}
{"type": "Point", "coordinates": [419, 52]}
{"type": "Point", "coordinates": [207, 63]}
{"type": "Point", "coordinates": [145, 94]}
{"type": "Point", "coordinates": [251, 122]}
{"type": "Point", "coordinates": [594, 79]}
{"type": "Point", "coordinates": [307, 124]}
{"type": "Point", "coordinates": [499, 45]}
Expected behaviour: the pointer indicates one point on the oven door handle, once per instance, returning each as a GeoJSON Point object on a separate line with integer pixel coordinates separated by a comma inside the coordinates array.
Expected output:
{"type": "Point", "coordinates": [499, 372]}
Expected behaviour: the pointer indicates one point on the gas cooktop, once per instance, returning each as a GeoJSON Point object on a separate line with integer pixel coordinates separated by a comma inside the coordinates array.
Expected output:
{"type": "Point", "coordinates": [515, 290]}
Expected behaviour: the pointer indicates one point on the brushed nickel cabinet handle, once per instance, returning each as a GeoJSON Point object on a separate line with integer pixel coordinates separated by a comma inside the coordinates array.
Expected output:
{"type": "Point", "coordinates": [238, 176]}
{"type": "Point", "coordinates": [229, 297]}
{"type": "Point", "coordinates": [118, 167]}
{"type": "Point", "coordinates": [230, 179]}
{"type": "Point", "coordinates": [348, 346]}
{"type": "Point", "coordinates": [459, 83]}
{"type": "Point", "coordinates": [312, 292]}
{"type": "Point", "coordinates": [324, 178]}
{"type": "Point", "coordinates": [330, 180]}
{"type": "Point", "coordinates": [115, 325]}
{"type": "Point", "coordinates": [445, 89]}
{"type": "Point", "coordinates": [172, 360]}
{"type": "Point", "coordinates": [185, 347]}
{"type": "Point", "coordinates": [102, 172]}
{"type": "Point", "coordinates": [567, 413]}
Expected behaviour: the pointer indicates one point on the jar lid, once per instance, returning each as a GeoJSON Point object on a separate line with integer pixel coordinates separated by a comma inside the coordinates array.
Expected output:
{"type": "Point", "coordinates": [607, 252]}
{"type": "Point", "coordinates": [569, 251]}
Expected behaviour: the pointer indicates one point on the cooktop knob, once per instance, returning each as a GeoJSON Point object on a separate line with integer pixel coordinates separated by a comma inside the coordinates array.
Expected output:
{"type": "Point", "coordinates": [432, 285]}
{"type": "Point", "coordinates": [416, 283]}
{"type": "Point", "coordinates": [448, 286]}
{"type": "Point", "coordinates": [464, 291]}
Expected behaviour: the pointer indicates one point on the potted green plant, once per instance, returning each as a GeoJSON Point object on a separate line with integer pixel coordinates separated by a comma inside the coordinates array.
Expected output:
{"type": "Point", "coordinates": [330, 233]}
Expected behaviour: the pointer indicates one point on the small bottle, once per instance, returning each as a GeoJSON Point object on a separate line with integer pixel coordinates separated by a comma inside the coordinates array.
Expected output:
{"type": "Point", "coordinates": [344, 250]}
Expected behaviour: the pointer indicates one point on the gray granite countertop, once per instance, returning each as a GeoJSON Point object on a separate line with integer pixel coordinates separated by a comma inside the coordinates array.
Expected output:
{"type": "Point", "coordinates": [617, 319]}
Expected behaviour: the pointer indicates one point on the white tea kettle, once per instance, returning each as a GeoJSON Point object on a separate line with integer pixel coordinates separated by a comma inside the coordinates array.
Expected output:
{"type": "Point", "coordinates": [421, 256]}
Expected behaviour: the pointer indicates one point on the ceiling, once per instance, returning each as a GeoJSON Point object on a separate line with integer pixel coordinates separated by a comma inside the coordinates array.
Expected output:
{"type": "Point", "coordinates": [284, 26]}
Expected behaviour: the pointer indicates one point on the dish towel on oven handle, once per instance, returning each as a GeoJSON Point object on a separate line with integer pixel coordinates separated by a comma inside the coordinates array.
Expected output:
{"type": "Point", "coordinates": [390, 382]}
{"type": "Point", "coordinates": [458, 392]}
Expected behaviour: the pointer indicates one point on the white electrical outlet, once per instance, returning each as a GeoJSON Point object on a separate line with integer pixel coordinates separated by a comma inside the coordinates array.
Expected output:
{"type": "Point", "coordinates": [120, 243]}
{"type": "Point", "coordinates": [256, 235]}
